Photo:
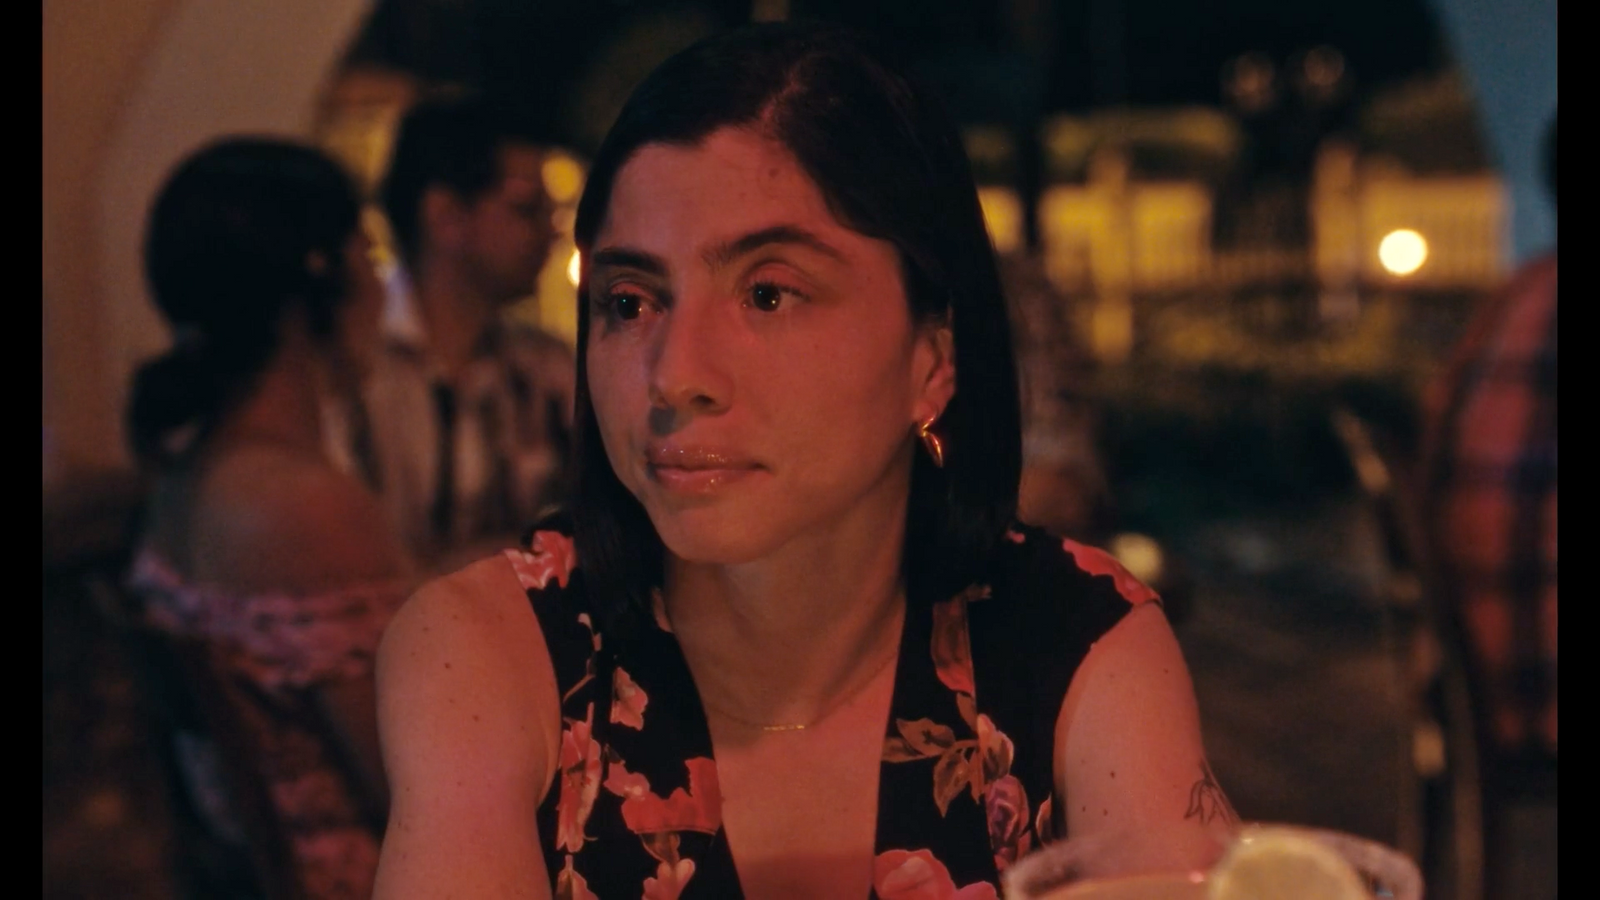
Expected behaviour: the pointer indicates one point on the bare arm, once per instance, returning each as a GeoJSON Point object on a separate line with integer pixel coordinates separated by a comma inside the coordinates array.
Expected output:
{"type": "Point", "coordinates": [1129, 758]}
{"type": "Point", "coordinates": [470, 724]}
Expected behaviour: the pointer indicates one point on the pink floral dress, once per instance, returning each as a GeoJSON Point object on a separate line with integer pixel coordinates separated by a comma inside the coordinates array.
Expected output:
{"type": "Point", "coordinates": [965, 784]}
{"type": "Point", "coordinates": [276, 646]}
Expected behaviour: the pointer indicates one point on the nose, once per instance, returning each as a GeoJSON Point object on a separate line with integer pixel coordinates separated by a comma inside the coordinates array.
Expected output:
{"type": "Point", "coordinates": [690, 374]}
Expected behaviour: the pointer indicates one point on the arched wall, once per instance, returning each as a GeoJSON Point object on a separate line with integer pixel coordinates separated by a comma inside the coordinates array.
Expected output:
{"type": "Point", "coordinates": [91, 56]}
{"type": "Point", "coordinates": [130, 88]}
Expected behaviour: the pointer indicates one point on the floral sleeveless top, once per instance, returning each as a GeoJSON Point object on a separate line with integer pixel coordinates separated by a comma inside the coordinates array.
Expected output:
{"type": "Point", "coordinates": [965, 785]}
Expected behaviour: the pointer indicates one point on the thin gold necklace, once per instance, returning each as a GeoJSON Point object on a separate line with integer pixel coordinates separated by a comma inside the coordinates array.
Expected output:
{"type": "Point", "coordinates": [829, 710]}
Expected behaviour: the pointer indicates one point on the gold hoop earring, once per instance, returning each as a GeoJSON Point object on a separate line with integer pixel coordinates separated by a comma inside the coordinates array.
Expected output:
{"type": "Point", "coordinates": [931, 442]}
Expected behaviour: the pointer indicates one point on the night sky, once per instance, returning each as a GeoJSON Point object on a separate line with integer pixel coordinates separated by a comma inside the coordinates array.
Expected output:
{"type": "Point", "coordinates": [1172, 50]}
{"type": "Point", "coordinates": [1139, 52]}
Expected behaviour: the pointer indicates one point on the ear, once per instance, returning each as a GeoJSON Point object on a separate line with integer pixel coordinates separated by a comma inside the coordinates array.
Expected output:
{"type": "Point", "coordinates": [933, 370]}
{"type": "Point", "coordinates": [443, 219]}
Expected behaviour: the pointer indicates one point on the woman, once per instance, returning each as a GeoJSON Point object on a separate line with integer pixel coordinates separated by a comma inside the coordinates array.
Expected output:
{"type": "Point", "coordinates": [254, 543]}
{"type": "Point", "coordinates": [794, 645]}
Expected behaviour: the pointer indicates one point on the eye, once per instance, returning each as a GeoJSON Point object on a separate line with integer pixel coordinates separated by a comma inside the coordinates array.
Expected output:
{"type": "Point", "coordinates": [622, 305]}
{"type": "Point", "coordinates": [626, 306]}
{"type": "Point", "coordinates": [768, 296]}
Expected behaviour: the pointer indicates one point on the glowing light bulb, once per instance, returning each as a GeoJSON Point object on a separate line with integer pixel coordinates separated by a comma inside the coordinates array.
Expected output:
{"type": "Point", "coordinates": [575, 267]}
{"type": "Point", "coordinates": [1403, 251]}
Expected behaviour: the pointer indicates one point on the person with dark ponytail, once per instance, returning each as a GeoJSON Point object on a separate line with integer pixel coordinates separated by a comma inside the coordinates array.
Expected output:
{"type": "Point", "coordinates": [255, 543]}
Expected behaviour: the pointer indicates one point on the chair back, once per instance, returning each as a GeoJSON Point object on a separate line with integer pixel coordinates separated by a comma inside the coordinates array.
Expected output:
{"type": "Point", "coordinates": [1441, 807]}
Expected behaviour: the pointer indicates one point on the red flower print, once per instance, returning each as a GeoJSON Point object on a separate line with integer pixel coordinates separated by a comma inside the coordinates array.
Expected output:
{"type": "Point", "coordinates": [669, 881]}
{"type": "Point", "coordinates": [1006, 804]}
{"type": "Point", "coordinates": [1099, 562]}
{"type": "Point", "coordinates": [580, 782]}
{"type": "Point", "coordinates": [996, 750]}
{"type": "Point", "coordinates": [1044, 826]}
{"type": "Point", "coordinates": [697, 809]}
{"type": "Point", "coordinates": [917, 875]}
{"type": "Point", "coordinates": [572, 886]}
{"type": "Point", "coordinates": [952, 654]}
{"type": "Point", "coordinates": [594, 636]}
{"type": "Point", "coordinates": [954, 773]}
{"type": "Point", "coordinates": [621, 782]}
{"type": "Point", "coordinates": [628, 701]}
{"type": "Point", "coordinates": [549, 555]}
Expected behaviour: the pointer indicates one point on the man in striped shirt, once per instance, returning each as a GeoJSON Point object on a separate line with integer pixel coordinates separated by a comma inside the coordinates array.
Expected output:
{"type": "Point", "coordinates": [467, 413]}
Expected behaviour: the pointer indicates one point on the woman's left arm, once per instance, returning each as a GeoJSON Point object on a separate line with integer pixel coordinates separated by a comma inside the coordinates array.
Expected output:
{"type": "Point", "coordinates": [1129, 762]}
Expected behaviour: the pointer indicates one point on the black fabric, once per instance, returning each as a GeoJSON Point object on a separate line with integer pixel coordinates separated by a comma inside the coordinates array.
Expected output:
{"type": "Point", "coordinates": [1029, 625]}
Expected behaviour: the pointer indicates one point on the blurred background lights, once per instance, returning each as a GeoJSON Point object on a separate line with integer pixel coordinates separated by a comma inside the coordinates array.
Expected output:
{"type": "Point", "coordinates": [1320, 74]}
{"type": "Point", "coordinates": [1403, 251]}
{"type": "Point", "coordinates": [563, 178]}
{"type": "Point", "coordinates": [574, 267]}
{"type": "Point", "coordinates": [1324, 66]}
{"type": "Point", "coordinates": [1250, 82]}
{"type": "Point", "coordinates": [1140, 554]}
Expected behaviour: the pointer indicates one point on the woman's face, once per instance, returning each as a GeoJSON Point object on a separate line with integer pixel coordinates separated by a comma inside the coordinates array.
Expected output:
{"type": "Point", "coordinates": [362, 309]}
{"type": "Point", "coordinates": [753, 363]}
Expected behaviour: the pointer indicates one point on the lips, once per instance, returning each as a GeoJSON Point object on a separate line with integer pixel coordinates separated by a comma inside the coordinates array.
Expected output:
{"type": "Point", "coordinates": [697, 469]}
{"type": "Point", "coordinates": [679, 456]}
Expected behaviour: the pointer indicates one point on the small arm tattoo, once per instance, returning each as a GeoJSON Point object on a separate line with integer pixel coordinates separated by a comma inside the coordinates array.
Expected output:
{"type": "Point", "coordinates": [1207, 802]}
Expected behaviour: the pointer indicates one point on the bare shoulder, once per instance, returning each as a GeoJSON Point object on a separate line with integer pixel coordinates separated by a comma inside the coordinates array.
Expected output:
{"type": "Point", "coordinates": [469, 718]}
{"type": "Point", "coordinates": [476, 622]}
{"type": "Point", "coordinates": [1138, 658]}
{"type": "Point", "coordinates": [266, 520]}
{"type": "Point", "coordinates": [1129, 748]}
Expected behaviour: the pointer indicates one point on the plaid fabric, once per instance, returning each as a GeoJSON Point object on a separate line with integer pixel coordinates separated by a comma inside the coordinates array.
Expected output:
{"type": "Point", "coordinates": [463, 466]}
{"type": "Point", "coordinates": [1490, 483]}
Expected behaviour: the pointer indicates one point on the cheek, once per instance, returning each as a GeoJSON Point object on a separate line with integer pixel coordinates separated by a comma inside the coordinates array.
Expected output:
{"type": "Point", "coordinates": [863, 379]}
{"type": "Point", "coordinates": [613, 390]}
{"type": "Point", "coordinates": [847, 405]}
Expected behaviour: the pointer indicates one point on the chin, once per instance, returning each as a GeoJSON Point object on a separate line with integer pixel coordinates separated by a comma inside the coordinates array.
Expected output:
{"type": "Point", "coordinates": [712, 536]}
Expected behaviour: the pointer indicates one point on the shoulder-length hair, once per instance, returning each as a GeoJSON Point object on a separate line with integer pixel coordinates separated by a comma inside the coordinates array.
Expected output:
{"type": "Point", "coordinates": [889, 161]}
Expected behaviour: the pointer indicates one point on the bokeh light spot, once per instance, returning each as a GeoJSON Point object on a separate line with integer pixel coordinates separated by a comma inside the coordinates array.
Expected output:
{"type": "Point", "coordinates": [1403, 251]}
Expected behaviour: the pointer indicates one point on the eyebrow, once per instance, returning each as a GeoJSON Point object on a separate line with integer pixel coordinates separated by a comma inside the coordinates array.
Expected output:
{"type": "Point", "coordinates": [629, 258]}
{"type": "Point", "coordinates": [723, 254]}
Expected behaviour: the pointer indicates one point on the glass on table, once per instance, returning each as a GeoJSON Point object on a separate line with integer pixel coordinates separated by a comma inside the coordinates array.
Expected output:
{"type": "Point", "coordinates": [1260, 861]}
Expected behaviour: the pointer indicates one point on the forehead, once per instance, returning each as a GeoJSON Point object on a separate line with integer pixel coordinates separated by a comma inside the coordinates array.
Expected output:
{"type": "Point", "coordinates": [734, 181]}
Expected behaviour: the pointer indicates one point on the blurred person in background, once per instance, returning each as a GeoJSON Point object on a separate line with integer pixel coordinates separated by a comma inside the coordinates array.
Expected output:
{"type": "Point", "coordinates": [467, 417]}
{"type": "Point", "coordinates": [1489, 477]}
{"type": "Point", "coordinates": [791, 640]}
{"type": "Point", "coordinates": [254, 543]}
